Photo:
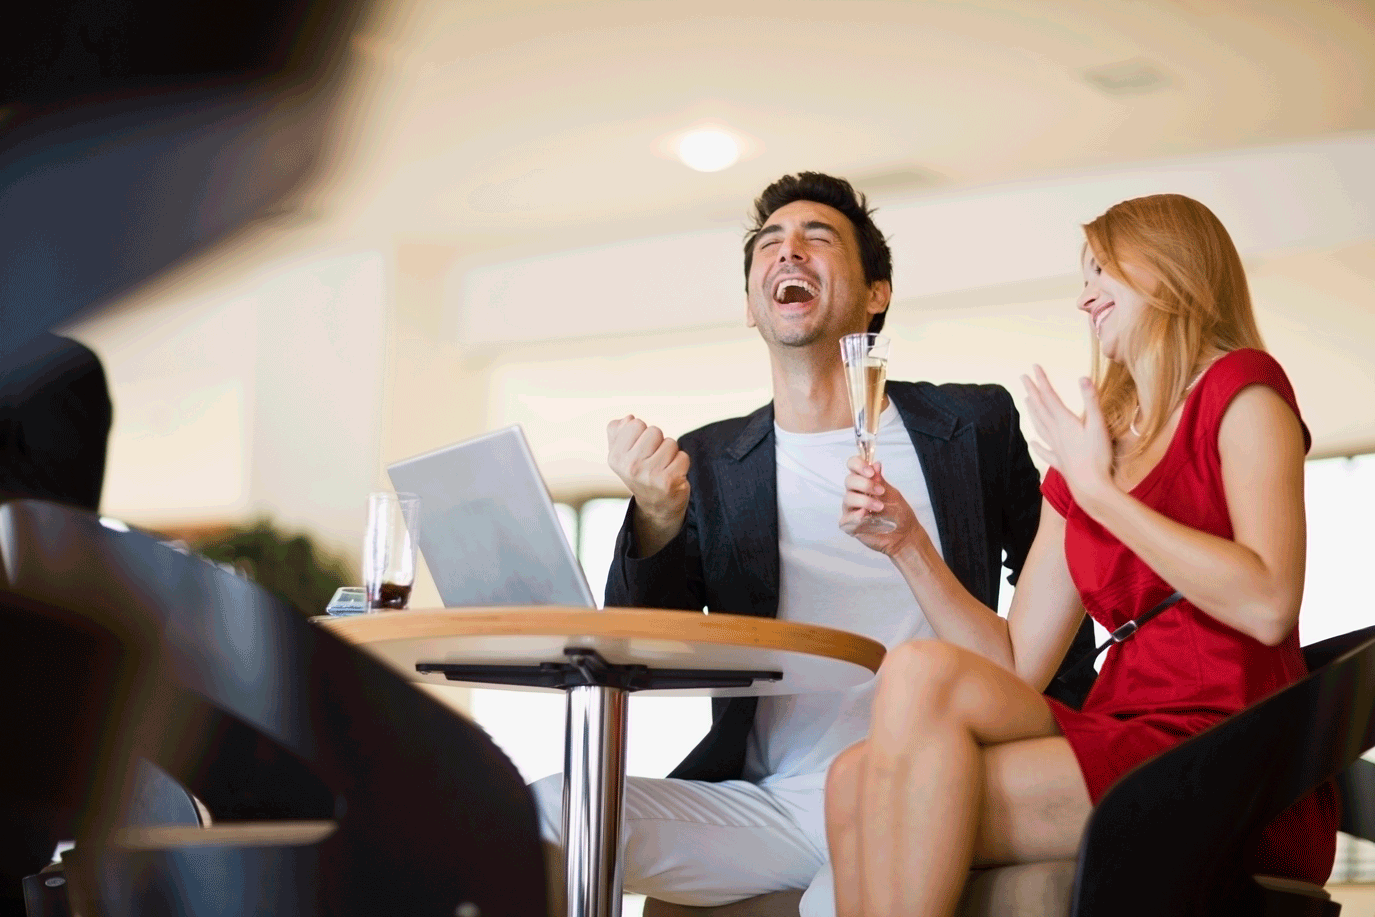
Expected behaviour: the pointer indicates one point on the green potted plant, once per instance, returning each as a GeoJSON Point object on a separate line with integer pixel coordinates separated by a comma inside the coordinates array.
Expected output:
{"type": "Point", "coordinates": [290, 566]}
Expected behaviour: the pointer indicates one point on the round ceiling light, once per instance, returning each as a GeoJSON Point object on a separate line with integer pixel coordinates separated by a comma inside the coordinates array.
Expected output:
{"type": "Point", "coordinates": [708, 149]}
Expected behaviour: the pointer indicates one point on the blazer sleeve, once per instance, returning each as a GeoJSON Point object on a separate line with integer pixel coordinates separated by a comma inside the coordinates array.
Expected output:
{"type": "Point", "coordinates": [670, 578]}
{"type": "Point", "coordinates": [1022, 498]}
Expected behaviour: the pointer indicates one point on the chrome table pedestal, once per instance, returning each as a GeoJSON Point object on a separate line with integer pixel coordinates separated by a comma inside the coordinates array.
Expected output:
{"type": "Point", "coordinates": [594, 753]}
{"type": "Point", "coordinates": [593, 793]}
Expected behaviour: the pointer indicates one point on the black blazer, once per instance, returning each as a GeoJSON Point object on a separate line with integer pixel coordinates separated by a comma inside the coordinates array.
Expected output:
{"type": "Point", "coordinates": [984, 490]}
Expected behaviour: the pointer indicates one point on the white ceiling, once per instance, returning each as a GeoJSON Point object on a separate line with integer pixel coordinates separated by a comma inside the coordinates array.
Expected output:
{"type": "Point", "coordinates": [528, 125]}
{"type": "Point", "coordinates": [521, 142]}
{"type": "Point", "coordinates": [513, 150]}
{"type": "Point", "coordinates": [989, 245]}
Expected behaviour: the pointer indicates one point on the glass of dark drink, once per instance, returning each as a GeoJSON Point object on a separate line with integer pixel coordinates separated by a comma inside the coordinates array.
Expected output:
{"type": "Point", "coordinates": [389, 549]}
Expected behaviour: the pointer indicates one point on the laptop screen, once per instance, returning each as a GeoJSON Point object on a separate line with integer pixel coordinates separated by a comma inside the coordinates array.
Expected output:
{"type": "Point", "coordinates": [488, 529]}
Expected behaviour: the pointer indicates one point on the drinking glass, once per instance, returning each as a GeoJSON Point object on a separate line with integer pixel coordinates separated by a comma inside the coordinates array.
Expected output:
{"type": "Point", "coordinates": [866, 370]}
{"type": "Point", "coordinates": [389, 549]}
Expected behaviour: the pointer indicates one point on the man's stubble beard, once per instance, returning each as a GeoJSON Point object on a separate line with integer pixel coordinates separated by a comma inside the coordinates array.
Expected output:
{"type": "Point", "coordinates": [799, 338]}
{"type": "Point", "coordinates": [776, 331]}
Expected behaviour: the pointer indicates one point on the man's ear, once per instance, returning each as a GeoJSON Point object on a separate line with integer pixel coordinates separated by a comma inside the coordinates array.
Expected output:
{"type": "Point", "coordinates": [749, 316]}
{"type": "Point", "coordinates": [880, 295]}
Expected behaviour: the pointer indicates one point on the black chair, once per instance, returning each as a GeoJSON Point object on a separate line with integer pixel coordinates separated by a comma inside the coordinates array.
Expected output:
{"type": "Point", "coordinates": [155, 799]}
{"type": "Point", "coordinates": [1357, 788]}
{"type": "Point", "coordinates": [1171, 835]}
{"type": "Point", "coordinates": [427, 816]}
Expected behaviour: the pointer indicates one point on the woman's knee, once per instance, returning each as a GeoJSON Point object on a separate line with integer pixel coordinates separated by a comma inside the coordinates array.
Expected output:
{"type": "Point", "coordinates": [920, 674]}
{"type": "Point", "coordinates": [842, 783]}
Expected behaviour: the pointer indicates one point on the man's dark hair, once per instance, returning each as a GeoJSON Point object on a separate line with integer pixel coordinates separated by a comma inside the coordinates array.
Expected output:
{"type": "Point", "coordinates": [820, 188]}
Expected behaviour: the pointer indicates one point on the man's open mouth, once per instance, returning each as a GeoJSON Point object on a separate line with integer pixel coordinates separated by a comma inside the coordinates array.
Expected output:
{"type": "Point", "coordinates": [795, 290]}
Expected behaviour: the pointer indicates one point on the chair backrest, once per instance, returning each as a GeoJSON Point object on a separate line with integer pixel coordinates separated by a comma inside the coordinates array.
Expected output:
{"type": "Point", "coordinates": [1356, 784]}
{"type": "Point", "coordinates": [1171, 836]}
{"type": "Point", "coordinates": [429, 816]}
{"type": "Point", "coordinates": [1317, 655]}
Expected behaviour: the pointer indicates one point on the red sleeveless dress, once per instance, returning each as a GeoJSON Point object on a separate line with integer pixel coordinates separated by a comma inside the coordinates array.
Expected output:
{"type": "Point", "coordinates": [1184, 670]}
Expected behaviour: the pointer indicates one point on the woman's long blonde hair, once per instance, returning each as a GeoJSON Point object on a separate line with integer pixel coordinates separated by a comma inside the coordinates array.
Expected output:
{"type": "Point", "coordinates": [1199, 304]}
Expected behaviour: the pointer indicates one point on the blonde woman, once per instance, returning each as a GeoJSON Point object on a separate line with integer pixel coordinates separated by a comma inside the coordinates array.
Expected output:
{"type": "Point", "coordinates": [1185, 472]}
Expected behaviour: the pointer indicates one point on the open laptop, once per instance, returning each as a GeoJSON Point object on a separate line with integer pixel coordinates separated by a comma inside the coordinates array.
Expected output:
{"type": "Point", "coordinates": [488, 529]}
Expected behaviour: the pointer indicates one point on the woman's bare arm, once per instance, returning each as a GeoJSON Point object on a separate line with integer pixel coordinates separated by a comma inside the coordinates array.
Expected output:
{"type": "Point", "coordinates": [1045, 609]}
{"type": "Point", "coordinates": [1253, 582]}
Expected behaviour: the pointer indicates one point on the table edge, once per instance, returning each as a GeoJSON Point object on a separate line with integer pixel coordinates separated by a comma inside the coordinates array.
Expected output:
{"type": "Point", "coordinates": [648, 623]}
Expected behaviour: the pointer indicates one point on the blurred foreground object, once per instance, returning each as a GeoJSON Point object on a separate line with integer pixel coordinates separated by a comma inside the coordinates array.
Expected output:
{"type": "Point", "coordinates": [55, 416]}
{"type": "Point", "coordinates": [135, 133]}
{"type": "Point", "coordinates": [424, 815]}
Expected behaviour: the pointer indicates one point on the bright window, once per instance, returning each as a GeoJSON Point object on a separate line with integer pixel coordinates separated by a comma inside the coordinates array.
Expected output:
{"type": "Point", "coordinates": [1340, 501]}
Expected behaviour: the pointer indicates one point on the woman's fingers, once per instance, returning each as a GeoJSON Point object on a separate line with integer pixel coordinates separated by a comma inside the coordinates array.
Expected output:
{"type": "Point", "coordinates": [1055, 407]}
{"type": "Point", "coordinates": [1040, 421]}
{"type": "Point", "coordinates": [864, 484]}
{"type": "Point", "coordinates": [1093, 411]}
{"type": "Point", "coordinates": [1033, 394]}
{"type": "Point", "coordinates": [857, 465]}
{"type": "Point", "coordinates": [1043, 400]}
{"type": "Point", "coordinates": [860, 483]}
{"type": "Point", "coordinates": [1050, 458]}
{"type": "Point", "coordinates": [858, 500]}
{"type": "Point", "coordinates": [850, 519]}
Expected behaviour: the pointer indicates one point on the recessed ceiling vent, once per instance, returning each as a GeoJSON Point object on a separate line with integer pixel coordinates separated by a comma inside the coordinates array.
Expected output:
{"type": "Point", "coordinates": [1127, 78]}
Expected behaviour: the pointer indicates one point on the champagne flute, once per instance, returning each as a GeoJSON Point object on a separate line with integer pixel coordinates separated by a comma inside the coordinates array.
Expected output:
{"type": "Point", "coordinates": [866, 370]}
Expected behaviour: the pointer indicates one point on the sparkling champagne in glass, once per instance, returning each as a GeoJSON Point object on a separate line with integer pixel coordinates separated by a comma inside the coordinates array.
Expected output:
{"type": "Point", "coordinates": [866, 370]}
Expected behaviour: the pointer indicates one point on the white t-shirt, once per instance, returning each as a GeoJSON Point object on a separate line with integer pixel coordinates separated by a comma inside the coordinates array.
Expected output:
{"type": "Point", "coordinates": [828, 577]}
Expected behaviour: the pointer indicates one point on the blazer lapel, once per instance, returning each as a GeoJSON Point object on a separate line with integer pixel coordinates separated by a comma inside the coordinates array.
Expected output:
{"type": "Point", "coordinates": [948, 451]}
{"type": "Point", "coordinates": [748, 477]}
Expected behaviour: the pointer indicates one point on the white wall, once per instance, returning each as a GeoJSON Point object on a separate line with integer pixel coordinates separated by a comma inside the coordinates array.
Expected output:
{"type": "Point", "coordinates": [318, 374]}
{"type": "Point", "coordinates": [249, 388]}
{"type": "Point", "coordinates": [181, 380]}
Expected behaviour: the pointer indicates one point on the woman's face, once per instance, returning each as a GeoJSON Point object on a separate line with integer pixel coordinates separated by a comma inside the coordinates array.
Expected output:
{"type": "Point", "coordinates": [1113, 307]}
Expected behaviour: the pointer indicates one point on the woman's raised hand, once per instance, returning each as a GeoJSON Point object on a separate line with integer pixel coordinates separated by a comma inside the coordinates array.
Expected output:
{"type": "Point", "coordinates": [1078, 447]}
{"type": "Point", "coordinates": [866, 491]}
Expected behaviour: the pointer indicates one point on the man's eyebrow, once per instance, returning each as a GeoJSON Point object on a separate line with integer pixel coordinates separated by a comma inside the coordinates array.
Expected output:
{"type": "Point", "coordinates": [772, 229]}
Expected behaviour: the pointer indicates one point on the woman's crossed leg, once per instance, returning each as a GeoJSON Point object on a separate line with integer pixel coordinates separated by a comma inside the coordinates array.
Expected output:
{"type": "Point", "coordinates": [964, 765]}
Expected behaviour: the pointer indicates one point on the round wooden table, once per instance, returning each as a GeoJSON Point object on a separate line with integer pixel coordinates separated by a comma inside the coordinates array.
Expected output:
{"type": "Point", "coordinates": [597, 658]}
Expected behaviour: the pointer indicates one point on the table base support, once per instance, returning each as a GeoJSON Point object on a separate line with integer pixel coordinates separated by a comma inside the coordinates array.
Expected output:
{"type": "Point", "coordinates": [593, 793]}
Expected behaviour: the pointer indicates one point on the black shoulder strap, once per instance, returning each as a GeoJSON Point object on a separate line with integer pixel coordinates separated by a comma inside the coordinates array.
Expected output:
{"type": "Point", "coordinates": [1122, 633]}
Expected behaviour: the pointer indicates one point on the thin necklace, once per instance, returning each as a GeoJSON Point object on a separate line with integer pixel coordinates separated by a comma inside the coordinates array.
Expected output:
{"type": "Point", "coordinates": [1131, 425]}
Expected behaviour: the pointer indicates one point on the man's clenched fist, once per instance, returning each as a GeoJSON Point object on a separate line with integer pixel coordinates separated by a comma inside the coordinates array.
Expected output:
{"type": "Point", "coordinates": [655, 470]}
